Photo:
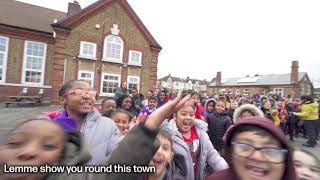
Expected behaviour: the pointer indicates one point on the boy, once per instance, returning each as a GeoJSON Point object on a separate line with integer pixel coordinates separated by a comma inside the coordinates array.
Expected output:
{"type": "Point", "coordinates": [107, 107]}
{"type": "Point", "coordinates": [101, 133]}
{"type": "Point", "coordinates": [257, 149]}
{"type": "Point", "coordinates": [152, 106]}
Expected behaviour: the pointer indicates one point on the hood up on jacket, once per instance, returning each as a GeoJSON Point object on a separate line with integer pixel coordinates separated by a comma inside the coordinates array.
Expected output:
{"type": "Point", "coordinates": [247, 107]}
{"type": "Point", "coordinates": [268, 126]}
{"type": "Point", "coordinates": [210, 100]}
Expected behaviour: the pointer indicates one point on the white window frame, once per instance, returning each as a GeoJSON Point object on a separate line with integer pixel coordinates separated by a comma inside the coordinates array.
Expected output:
{"type": "Point", "coordinates": [302, 89]}
{"type": "Point", "coordinates": [130, 58]}
{"type": "Point", "coordinates": [102, 80]}
{"type": "Point", "coordinates": [138, 84]}
{"type": "Point", "coordinates": [108, 59]}
{"type": "Point", "coordinates": [5, 61]}
{"type": "Point", "coordinates": [86, 79]}
{"type": "Point", "coordinates": [87, 56]}
{"type": "Point", "coordinates": [24, 67]}
{"type": "Point", "coordinates": [277, 90]}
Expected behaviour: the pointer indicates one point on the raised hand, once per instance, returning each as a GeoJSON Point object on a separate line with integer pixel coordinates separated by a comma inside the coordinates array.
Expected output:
{"type": "Point", "coordinates": [159, 115]}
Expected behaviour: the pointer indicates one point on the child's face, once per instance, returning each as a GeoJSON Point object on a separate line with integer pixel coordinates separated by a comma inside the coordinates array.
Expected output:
{"type": "Point", "coordinates": [306, 166]}
{"type": "Point", "coordinates": [220, 107]}
{"type": "Point", "coordinates": [210, 106]}
{"type": "Point", "coordinates": [152, 104]}
{"type": "Point", "coordinates": [195, 98]}
{"type": "Point", "coordinates": [162, 97]}
{"type": "Point", "coordinates": [257, 165]}
{"type": "Point", "coordinates": [185, 118]}
{"type": "Point", "coordinates": [163, 156]}
{"type": "Point", "coordinates": [234, 105]}
{"type": "Point", "coordinates": [126, 103]}
{"type": "Point", "coordinates": [34, 143]}
{"type": "Point", "coordinates": [267, 105]}
{"type": "Point", "coordinates": [108, 106]}
{"type": "Point", "coordinates": [122, 121]}
{"type": "Point", "coordinates": [79, 104]}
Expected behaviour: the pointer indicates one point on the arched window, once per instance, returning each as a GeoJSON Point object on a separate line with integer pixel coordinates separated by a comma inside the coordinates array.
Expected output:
{"type": "Point", "coordinates": [113, 48]}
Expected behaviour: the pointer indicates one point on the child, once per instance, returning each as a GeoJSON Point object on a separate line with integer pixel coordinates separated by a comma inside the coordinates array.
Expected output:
{"type": "Point", "coordinates": [257, 150]}
{"type": "Point", "coordinates": [79, 114]}
{"type": "Point", "coordinates": [161, 98]}
{"type": "Point", "coordinates": [125, 102]}
{"type": "Point", "coordinates": [192, 143]}
{"type": "Point", "coordinates": [210, 104]}
{"type": "Point", "coordinates": [107, 107]}
{"type": "Point", "coordinates": [162, 159]}
{"type": "Point", "coordinates": [218, 123]}
{"type": "Point", "coordinates": [307, 165]}
{"type": "Point", "coordinates": [152, 105]}
{"type": "Point", "coordinates": [121, 118]}
{"type": "Point", "coordinates": [282, 115]}
{"type": "Point", "coordinates": [50, 146]}
{"type": "Point", "coordinates": [246, 110]}
{"type": "Point", "coordinates": [195, 97]}
{"type": "Point", "coordinates": [266, 109]}
{"type": "Point", "coordinates": [291, 120]}
{"type": "Point", "coordinates": [233, 106]}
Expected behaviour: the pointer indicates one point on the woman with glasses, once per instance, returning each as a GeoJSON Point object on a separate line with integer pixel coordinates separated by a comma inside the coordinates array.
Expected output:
{"type": "Point", "coordinates": [257, 150]}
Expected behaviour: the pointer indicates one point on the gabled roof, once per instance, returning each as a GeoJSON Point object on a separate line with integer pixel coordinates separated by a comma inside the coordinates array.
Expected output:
{"type": "Point", "coordinates": [72, 21]}
{"type": "Point", "coordinates": [184, 80]}
{"type": "Point", "coordinates": [270, 79]}
{"type": "Point", "coordinates": [27, 16]}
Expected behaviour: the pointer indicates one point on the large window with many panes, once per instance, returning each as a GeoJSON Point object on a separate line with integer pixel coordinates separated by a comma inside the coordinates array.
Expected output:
{"type": "Point", "coordinates": [113, 49]}
{"type": "Point", "coordinates": [109, 83]}
{"type": "Point", "coordinates": [34, 62]}
{"type": "Point", "coordinates": [4, 42]}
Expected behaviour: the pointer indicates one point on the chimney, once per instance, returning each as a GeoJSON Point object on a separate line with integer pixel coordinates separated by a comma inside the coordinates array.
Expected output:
{"type": "Point", "coordinates": [73, 8]}
{"type": "Point", "coordinates": [218, 78]}
{"type": "Point", "coordinates": [294, 72]}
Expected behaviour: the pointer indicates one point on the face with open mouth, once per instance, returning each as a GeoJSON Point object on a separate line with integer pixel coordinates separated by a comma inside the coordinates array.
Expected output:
{"type": "Point", "coordinates": [256, 166]}
{"type": "Point", "coordinates": [80, 104]}
{"type": "Point", "coordinates": [185, 118]}
{"type": "Point", "coordinates": [163, 156]}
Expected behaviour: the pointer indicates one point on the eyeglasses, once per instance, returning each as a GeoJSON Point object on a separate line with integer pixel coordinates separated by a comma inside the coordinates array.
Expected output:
{"type": "Point", "coordinates": [81, 92]}
{"type": "Point", "coordinates": [273, 155]}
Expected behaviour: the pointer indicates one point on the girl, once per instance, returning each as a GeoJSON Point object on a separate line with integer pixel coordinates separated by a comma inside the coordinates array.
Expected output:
{"type": "Point", "coordinates": [125, 102]}
{"type": "Point", "coordinates": [121, 118]}
{"type": "Point", "coordinates": [161, 97]}
{"type": "Point", "coordinates": [307, 165]}
{"type": "Point", "coordinates": [192, 143]}
{"type": "Point", "coordinates": [49, 145]}
{"type": "Point", "coordinates": [233, 106]}
{"type": "Point", "coordinates": [218, 123]}
{"type": "Point", "coordinates": [210, 104]}
{"type": "Point", "coordinates": [266, 109]}
{"type": "Point", "coordinates": [121, 90]}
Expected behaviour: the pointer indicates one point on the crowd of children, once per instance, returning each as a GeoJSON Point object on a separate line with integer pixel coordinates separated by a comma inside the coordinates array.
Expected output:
{"type": "Point", "coordinates": [185, 136]}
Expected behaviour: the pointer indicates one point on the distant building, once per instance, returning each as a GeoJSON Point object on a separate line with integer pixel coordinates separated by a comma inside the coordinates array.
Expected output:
{"type": "Point", "coordinates": [104, 44]}
{"type": "Point", "coordinates": [174, 84]}
{"type": "Point", "coordinates": [294, 84]}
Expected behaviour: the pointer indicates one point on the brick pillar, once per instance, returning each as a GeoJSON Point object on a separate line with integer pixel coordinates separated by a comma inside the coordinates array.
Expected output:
{"type": "Point", "coordinates": [154, 67]}
{"type": "Point", "coordinates": [58, 64]}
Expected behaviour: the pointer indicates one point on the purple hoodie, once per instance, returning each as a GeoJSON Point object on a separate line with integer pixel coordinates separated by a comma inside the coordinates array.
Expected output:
{"type": "Point", "coordinates": [67, 123]}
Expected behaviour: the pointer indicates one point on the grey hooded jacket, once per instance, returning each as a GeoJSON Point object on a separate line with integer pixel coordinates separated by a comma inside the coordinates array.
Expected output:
{"type": "Point", "coordinates": [208, 155]}
{"type": "Point", "coordinates": [101, 134]}
{"type": "Point", "coordinates": [137, 148]}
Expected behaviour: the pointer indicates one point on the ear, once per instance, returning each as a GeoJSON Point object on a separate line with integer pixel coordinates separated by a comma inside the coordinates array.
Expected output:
{"type": "Point", "coordinates": [63, 100]}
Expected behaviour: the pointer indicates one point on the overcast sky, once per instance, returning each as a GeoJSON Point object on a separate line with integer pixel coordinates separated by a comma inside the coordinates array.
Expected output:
{"type": "Point", "coordinates": [237, 37]}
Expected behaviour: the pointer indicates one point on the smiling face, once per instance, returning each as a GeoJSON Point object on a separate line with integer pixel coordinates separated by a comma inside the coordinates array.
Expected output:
{"type": "Point", "coordinates": [27, 146]}
{"type": "Point", "coordinates": [267, 105]}
{"type": "Point", "coordinates": [220, 107]}
{"type": "Point", "coordinates": [307, 167]}
{"type": "Point", "coordinates": [185, 118]}
{"type": "Point", "coordinates": [122, 121]}
{"type": "Point", "coordinates": [163, 156]}
{"type": "Point", "coordinates": [126, 103]}
{"type": "Point", "coordinates": [152, 103]}
{"type": "Point", "coordinates": [108, 107]}
{"type": "Point", "coordinates": [256, 167]}
{"type": "Point", "coordinates": [79, 105]}
{"type": "Point", "coordinates": [162, 97]}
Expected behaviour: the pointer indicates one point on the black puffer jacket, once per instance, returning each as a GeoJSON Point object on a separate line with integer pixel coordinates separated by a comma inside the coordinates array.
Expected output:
{"type": "Point", "coordinates": [218, 123]}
